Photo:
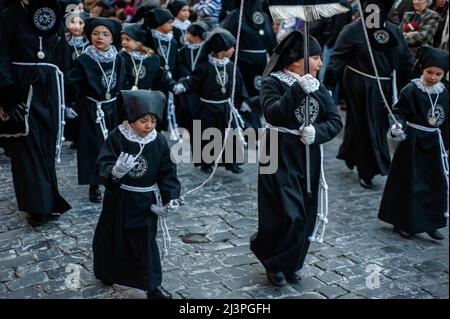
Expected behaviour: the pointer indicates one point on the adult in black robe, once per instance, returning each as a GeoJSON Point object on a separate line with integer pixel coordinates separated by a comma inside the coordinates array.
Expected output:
{"type": "Point", "coordinates": [257, 41]}
{"type": "Point", "coordinates": [286, 216]}
{"type": "Point", "coordinates": [365, 144]}
{"type": "Point", "coordinates": [415, 196]}
{"type": "Point", "coordinates": [33, 156]}
{"type": "Point", "coordinates": [124, 246]}
{"type": "Point", "coordinates": [89, 85]}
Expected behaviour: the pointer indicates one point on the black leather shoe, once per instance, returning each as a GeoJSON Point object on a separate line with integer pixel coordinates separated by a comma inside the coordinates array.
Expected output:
{"type": "Point", "coordinates": [293, 278]}
{"type": "Point", "coordinates": [95, 196]}
{"type": "Point", "coordinates": [234, 169]}
{"type": "Point", "coordinates": [207, 169]}
{"type": "Point", "coordinates": [435, 234]}
{"type": "Point", "coordinates": [276, 278]}
{"type": "Point", "coordinates": [159, 293]}
{"type": "Point", "coordinates": [366, 183]}
{"type": "Point", "coordinates": [36, 220]}
{"type": "Point", "coordinates": [402, 233]}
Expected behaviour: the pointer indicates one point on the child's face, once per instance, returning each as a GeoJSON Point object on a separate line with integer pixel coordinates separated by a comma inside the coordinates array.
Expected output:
{"type": "Point", "coordinates": [130, 44]}
{"type": "Point", "coordinates": [101, 38]}
{"type": "Point", "coordinates": [193, 38]}
{"type": "Point", "coordinates": [183, 14]}
{"type": "Point", "coordinates": [144, 125]}
{"type": "Point", "coordinates": [433, 75]}
{"type": "Point", "coordinates": [228, 53]}
{"type": "Point", "coordinates": [166, 27]}
{"type": "Point", "coordinates": [76, 27]}
{"type": "Point", "coordinates": [315, 63]}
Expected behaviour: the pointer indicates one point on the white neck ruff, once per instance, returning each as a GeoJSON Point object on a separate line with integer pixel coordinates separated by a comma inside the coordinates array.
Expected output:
{"type": "Point", "coordinates": [437, 88]}
{"type": "Point", "coordinates": [131, 135]}
{"type": "Point", "coordinates": [182, 25]}
{"type": "Point", "coordinates": [284, 77]}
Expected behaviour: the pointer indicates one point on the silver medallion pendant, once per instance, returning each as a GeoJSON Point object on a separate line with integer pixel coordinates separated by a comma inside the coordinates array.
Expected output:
{"type": "Point", "coordinates": [258, 18]}
{"type": "Point", "coordinates": [166, 67]}
{"type": "Point", "coordinates": [134, 88]}
{"type": "Point", "coordinates": [41, 55]}
{"type": "Point", "coordinates": [223, 90]}
{"type": "Point", "coordinates": [108, 96]}
{"type": "Point", "coordinates": [261, 32]}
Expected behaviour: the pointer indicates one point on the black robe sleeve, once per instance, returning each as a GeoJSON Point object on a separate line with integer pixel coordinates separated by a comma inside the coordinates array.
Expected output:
{"type": "Point", "coordinates": [330, 123]}
{"type": "Point", "coordinates": [167, 180]}
{"type": "Point", "coordinates": [279, 109]}
{"type": "Point", "coordinates": [107, 157]}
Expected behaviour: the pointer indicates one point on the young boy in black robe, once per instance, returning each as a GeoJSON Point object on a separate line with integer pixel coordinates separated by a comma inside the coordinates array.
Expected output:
{"type": "Point", "coordinates": [286, 216]}
{"type": "Point", "coordinates": [143, 65]}
{"type": "Point", "coordinates": [212, 82]}
{"type": "Point", "coordinates": [180, 10]}
{"type": "Point", "coordinates": [415, 197]}
{"type": "Point", "coordinates": [97, 77]}
{"type": "Point", "coordinates": [141, 182]}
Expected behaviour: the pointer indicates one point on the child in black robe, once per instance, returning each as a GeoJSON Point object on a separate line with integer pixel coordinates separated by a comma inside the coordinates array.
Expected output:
{"type": "Point", "coordinates": [180, 10]}
{"type": "Point", "coordinates": [415, 198]}
{"type": "Point", "coordinates": [141, 183]}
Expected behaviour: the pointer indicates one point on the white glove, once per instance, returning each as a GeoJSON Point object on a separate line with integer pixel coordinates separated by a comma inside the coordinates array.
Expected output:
{"type": "Point", "coordinates": [167, 210]}
{"type": "Point", "coordinates": [124, 164]}
{"type": "Point", "coordinates": [309, 83]}
{"type": "Point", "coordinates": [308, 134]}
{"type": "Point", "coordinates": [70, 113]}
{"type": "Point", "coordinates": [245, 107]}
{"type": "Point", "coordinates": [179, 88]}
{"type": "Point", "coordinates": [397, 132]}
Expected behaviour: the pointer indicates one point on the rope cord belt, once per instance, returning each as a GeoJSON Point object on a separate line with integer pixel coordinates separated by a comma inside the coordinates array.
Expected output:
{"type": "Point", "coordinates": [322, 215]}
{"type": "Point", "coordinates": [444, 160]}
{"type": "Point", "coordinates": [100, 120]}
{"type": "Point", "coordinates": [368, 75]}
{"type": "Point", "coordinates": [61, 103]}
{"type": "Point", "coordinates": [254, 51]}
{"type": "Point", "coordinates": [161, 220]}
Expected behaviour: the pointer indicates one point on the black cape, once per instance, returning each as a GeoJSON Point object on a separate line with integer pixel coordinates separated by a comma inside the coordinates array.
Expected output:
{"type": "Point", "coordinates": [415, 195]}
{"type": "Point", "coordinates": [87, 80]}
{"type": "Point", "coordinates": [286, 217]}
{"type": "Point", "coordinates": [33, 156]}
{"type": "Point", "coordinates": [124, 247]}
{"type": "Point", "coordinates": [365, 144]}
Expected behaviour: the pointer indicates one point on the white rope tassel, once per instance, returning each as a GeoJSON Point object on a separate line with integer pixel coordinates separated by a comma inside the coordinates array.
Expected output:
{"type": "Point", "coordinates": [444, 160]}
{"type": "Point", "coordinates": [172, 120]}
{"type": "Point", "coordinates": [239, 123]}
{"type": "Point", "coordinates": [322, 216]}
{"type": "Point", "coordinates": [100, 120]}
{"type": "Point", "coordinates": [163, 225]}
{"type": "Point", "coordinates": [307, 12]}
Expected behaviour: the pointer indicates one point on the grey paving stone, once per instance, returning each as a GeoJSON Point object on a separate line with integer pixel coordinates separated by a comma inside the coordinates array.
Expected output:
{"type": "Point", "coordinates": [27, 281]}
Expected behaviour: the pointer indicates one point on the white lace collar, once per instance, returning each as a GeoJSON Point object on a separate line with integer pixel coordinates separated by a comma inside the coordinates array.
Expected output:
{"type": "Point", "coordinates": [77, 41]}
{"type": "Point", "coordinates": [101, 56]}
{"type": "Point", "coordinates": [194, 46]}
{"type": "Point", "coordinates": [430, 89]}
{"type": "Point", "coordinates": [218, 62]}
{"type": "Point", "coordinates": [284, 77]}
{"type": "Point", "coordinates": [131, 135]}
{"type": "Point", "coordinates": [182, 25]}
{"type": "Point", "coordinates": [137, 55]}
{"type": "Point", "coordinates": [167, 37]}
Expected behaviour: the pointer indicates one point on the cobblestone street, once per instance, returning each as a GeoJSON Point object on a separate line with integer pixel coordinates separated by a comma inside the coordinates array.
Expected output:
{"type": "Point", "coordinates": [210, 255]}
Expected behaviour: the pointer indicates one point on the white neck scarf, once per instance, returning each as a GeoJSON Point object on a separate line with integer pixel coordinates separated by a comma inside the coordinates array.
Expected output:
{"type": "Point", "coordinates": [77, 41]}
{"type": "Point", "coordinates": [102, 56]}
{"type": "Point", "coordinates": [430, 89]}
{"type": "Point", "coordinates": [194, 46]}
{"type": "Point", "coordinates": [182, 25]}
{"type": "Point", "coordinates": [162, 36]}
{"type": "Point", "coordinates": [137, 55]}
{"type": "Point", "coordinates": [218, 62]}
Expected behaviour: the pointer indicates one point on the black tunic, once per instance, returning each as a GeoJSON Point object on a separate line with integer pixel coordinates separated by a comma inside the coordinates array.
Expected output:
{"type": "Point", "coordinates": [151, 76]}
{"type": "Point", "coordinates": [206, 84]}
{"type": "Point", "coordinates": [365, 144]}
{"type": "Point", "coordinates": [286, 217]}
{"type": "Point", "coordinates": [33, 156]}
{"type": "Point", "coordinates": [415, 195]}
{"type": "Point", "coordinates": [87, 80]}
{"type": "Point", "coordinates": [124, 247]}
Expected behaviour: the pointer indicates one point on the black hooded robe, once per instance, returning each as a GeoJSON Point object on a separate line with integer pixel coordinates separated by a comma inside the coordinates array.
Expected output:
{"type": "Point", "coordinates": [365, 144]}
{"type": "Point", "coordinates": [124, 246]}
{"type": "Point", "coordinates": [87, 80]}
{"type": "Point", "coordinates": [415, 195]}
{"type": "Point", "coordinates": [33, 156]}
{"type": "Point", "coordinates": [286, 217]}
